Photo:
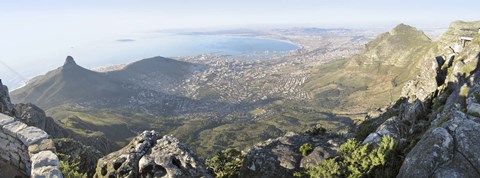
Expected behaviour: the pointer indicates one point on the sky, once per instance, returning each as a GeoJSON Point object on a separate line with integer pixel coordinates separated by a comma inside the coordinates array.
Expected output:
{"type": "Point", "coordinates": [33, 32]}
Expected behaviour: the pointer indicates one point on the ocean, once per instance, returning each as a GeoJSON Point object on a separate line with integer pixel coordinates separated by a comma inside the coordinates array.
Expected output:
{"type": "Point", "coordinates": [16, 69]}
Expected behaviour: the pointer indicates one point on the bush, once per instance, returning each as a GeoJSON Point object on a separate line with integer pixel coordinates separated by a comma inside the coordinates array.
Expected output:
{"type": "Point", "coordinates": [358, 160]}
{"type": "Point", "coordinates": [226, 163]}
{"type": "Point", "coordinates": [71, 170]}
{"type": "Point", "coordinates": [306, 148]}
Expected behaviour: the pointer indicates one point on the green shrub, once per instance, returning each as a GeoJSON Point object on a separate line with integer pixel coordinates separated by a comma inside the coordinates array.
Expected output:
{"type": "Point", "coordinates": [306, 148]}
{"type": "Point", "coordinates": [359, 160]}
{"type": "Point", "coordinates": [71, 170]}
{"type": "Point", "coordinates": [226, 163]}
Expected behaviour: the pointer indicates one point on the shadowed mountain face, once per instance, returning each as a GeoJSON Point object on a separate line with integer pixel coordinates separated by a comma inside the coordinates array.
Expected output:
{"type": "Point", "coordinates": [73, 84]}
{"type": "Point", "coordinates": [157, 73]}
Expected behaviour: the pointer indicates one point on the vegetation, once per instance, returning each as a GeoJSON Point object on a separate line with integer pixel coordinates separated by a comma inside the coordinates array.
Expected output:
{"type": "Point", "coordinates": [71, 169]}
{"type": "Point", "coordinates": [306, 149]}
{"type": "Point", "coordinates": [226, 163]}
{"type": "Point", "coordinates": [358, 160]}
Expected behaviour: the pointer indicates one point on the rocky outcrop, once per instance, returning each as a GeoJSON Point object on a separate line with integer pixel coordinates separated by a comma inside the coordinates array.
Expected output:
{"type": "Point", "coordinates": [34, 116]}
{"type": "Point", "coordinates": [6, 107]}
{"type": "Point", "coordinates": [151, 155]}
{"type": "Point", "coordinates": [447, 151]}
{"type": "Point", "coordinates": [281, 157]}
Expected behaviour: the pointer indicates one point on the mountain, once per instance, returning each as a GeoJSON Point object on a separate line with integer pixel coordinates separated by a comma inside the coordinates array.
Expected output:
{"type": "Point", "coordinates": [157, 73]}
{"type": "Point", "coordinates": [427, 126]}
{"type": "Point", "coordinates": [97, 108]}
{"type": "Point", "coordinates": [374, 77]}
{"type": "Point", "coordinates": [72, 83]}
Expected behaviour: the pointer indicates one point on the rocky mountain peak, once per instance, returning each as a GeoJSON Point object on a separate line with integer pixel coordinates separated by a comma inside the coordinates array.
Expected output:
{"type": "Point", "coordinates": [69, 62]}
{"type": "Point", "coordinates": [403, 28]}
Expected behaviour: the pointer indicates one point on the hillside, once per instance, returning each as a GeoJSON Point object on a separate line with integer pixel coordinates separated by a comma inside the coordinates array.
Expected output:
{"type": "Point", "coordinates": [157, 73]}
{"type": "Point", "coordinates": [72, 83]}
{"type": "Point", "coordinates": [374, 77]}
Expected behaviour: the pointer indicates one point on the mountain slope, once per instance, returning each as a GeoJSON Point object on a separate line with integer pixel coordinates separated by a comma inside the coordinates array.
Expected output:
{"type": "Point", "coordinates": [72, 83]}
{"type": "Point", "coordinates": [374, 77]}
{"type": "Point", "coordinates": [157, 73]}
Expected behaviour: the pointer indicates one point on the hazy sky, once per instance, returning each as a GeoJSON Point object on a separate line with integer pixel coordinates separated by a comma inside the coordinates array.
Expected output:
{"type": "Point", "coordinates": [34, 32]}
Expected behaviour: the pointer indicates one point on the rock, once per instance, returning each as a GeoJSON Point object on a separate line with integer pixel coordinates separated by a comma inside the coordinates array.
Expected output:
{"type": "Point", "coordinates": [391, 127]}
{"type": "Point", "coordinates": [6, 106]}
{"type": "Point", "coordinates": [14, 127]}
{"type": "Point", "coordinates": [316, 157]}
{"type": "Point", "coordinates": [414, 111]}
{"type": "Point", "coordinates": [433, 150]}
{"type": "Point", "coordinates": [447, 151]}
{"type": "Point", "coordinates": [34, 116]}
{"type": "Point", "coordinates": [31, 135]}
{"type": "Point", "coordinates": [4, 120]}
{"type": "Point", "coordinates": [47, 172]}
{"type": "Point", "coordinates": [474, 109]}
{"type": "Point", "coordinates": [372, 138]}
{"type": "Point", "coordinates": [45, 144]}
{"type": "Point", "coordinates": [281, 157]}
{"type": "Point", "coordinates": [43, 159]}
{"type": "Point", "coordinates": [151, 155]}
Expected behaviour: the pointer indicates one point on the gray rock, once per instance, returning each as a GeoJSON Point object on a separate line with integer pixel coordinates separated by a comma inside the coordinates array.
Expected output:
{"type": "Point", "coordinates": [281, 157]}
{"type": "Point", "coordinates": [43, 159]}
{"type": "Point", "coordinates": [4, 120]}
{"type": "Point", "coordinates": [31, 135]}
{"type": "Point", "coordinates": [473, 108]}
{"type": "Point", "coordinates": [34, 116]}
{"type": "Point", "coordinates": [45, 144]}
{"type": "Point", "coordinates": [46, 172]}
{"type": "Point", "coordinates": [433, 150]}
{"type": "Point", "coordinates": [6, 106]}
{"type": "Point", "coordinates": [14, 127]}
{"type": "Point", "coordinates": [150, 155]}
{"type": "Point", "coordinates": [391, 127]}
{"type": "Point", "coordinates": [372, 138]}
{"type": "Point", "coordinates": [435, 156]}
{"type": "Point", "coordinates": [317, 156]}
{"type": "Point", "coordinates": [414, 111]}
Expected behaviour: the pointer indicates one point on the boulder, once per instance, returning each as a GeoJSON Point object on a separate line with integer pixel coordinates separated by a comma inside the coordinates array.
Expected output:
{"type": "Point", "coordinates": [151, 155]}
{"type": "Point", "coordinates": [450, 150]}
{"type": "Point", "coordinates": [433, 150]}
{"type": "Point", "coordinates": [281, 157]}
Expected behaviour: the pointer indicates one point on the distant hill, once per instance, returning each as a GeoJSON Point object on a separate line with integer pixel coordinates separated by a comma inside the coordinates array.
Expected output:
{"type": "Point", "coordinates": [157, 73]}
